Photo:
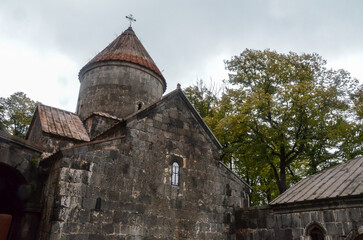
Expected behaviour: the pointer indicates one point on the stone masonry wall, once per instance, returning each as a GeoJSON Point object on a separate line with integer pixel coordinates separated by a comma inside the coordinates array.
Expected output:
{"type": "Point", "coordinates": [338, 220]}
{"type": "Point", "coordinates": [117, 88]}
{"type": "Point", "coordinates": [95, 125]}
{"type": "Point", "coordinates": [23, 157]}
{"type": "Point", "coordinates": [50, 205]}
{"type": "Point", "coordinates": [132, 178]}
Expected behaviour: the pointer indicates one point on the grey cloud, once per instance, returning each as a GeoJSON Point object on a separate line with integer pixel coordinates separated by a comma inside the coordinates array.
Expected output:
{"type": "Point", "coordinates": [181, 36]}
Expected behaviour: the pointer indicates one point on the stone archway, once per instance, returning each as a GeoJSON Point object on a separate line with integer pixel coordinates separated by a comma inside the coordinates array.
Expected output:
{"type": "Point", "coordinates": [315, 231]}
{"type": "Point", "coordinates": [14, 192]}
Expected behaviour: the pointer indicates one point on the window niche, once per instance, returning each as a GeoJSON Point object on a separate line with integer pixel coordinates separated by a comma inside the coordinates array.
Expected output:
{"type": "Point", "coordinates": [139, 105]}
{"type": "Point", "coordinates": [176, 163]}
{"type": "Point", "coordinates": [175, 174]}
{"type": "Point", "coordinates": [98, 205]}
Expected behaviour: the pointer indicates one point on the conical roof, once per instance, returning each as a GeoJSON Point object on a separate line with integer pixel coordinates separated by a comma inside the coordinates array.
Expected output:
{"type": "Point", "coordinates": [126, 47]}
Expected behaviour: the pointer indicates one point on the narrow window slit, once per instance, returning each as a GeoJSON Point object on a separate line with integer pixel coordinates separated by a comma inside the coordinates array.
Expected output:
{"type": "Point", "coordinates": [139, 106]}
{"type": "Point", "coordinates": [98, 205]}
{"type": "Point", "coordinates": [175, 174]}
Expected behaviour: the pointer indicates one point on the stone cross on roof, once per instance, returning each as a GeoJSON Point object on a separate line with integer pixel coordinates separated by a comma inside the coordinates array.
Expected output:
{"type": "Point", "coordinates": [131, 19]}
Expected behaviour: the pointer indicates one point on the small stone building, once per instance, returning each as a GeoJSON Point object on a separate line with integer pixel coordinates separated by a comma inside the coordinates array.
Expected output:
{"type": "Point", "coordinates": [325, 206]}
{"type": "Point", "coordinates": [129, 164]}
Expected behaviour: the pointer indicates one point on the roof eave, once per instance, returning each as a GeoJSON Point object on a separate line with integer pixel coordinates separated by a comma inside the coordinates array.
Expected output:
{"type": "Point", "coordinates": [319, 204]}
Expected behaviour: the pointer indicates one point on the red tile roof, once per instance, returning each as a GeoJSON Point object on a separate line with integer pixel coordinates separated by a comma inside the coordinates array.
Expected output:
{"type": "Point", "coordinates": [341, 181]}
{"type": "Point", "coordinates": [126, 47]}
{"type": "Point", "coordinates": [62, 123]}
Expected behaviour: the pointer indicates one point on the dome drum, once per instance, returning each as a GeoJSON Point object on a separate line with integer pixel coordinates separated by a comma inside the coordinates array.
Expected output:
{"type": "Point", "coordinates": [117, 88]}
{"type": "Point", "coordinates": [120, 79]}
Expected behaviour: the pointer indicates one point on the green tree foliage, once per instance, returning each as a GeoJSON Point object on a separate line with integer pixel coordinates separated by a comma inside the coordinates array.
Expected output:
{"type": "Point", "coordinates": [16, 113]}
{"type": "Point", "coordinates": [283, 117]}
{"type": "Point", "coordinates": [202, 97]}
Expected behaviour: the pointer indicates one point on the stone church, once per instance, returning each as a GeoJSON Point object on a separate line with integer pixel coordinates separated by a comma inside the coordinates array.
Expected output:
{"type": "Point", "coordinates": [129, 164]}
{"type": "Point", "coordinates": [132, 163]}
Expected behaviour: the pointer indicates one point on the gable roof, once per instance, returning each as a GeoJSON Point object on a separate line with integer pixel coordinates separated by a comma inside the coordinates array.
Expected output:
{"type": "Point", "coordinates": [194, 112]}
{"type": "Point", "coordinates": [128, 48]}
{"type": "Point", "coordinates": [341, 181]}
{"type": "Point", "coordinates": [178, 92]}
{"type": "Point", "coordinates": [60, 123]}
{"type": "Point", "coordinates": [144, 112]}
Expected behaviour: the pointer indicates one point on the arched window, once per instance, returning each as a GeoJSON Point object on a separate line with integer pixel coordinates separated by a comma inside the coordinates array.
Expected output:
{"type": "Point", "coordinates": [175, 174]}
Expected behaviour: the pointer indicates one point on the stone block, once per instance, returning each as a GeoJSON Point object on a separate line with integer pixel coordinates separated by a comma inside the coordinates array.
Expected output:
{"type": "Point", "coordinates": [83, 216]}
{"type": "Point", "coordinates": [270, 222]}
{"type": "Point", "coordinates": [97, 237]}
{"type": "Point", "coordinates": [286, 221]}
{"type": "Point", "coordinates": [295, 220]}
{"type": "Point", "coordinates": [341, 215]}
{"type": "Point", "coordinates": [297, 233]}
{"type": "Point", "coordinates": [285, 234]}
{"type": "Point", "coordinates": [108, 228]}
{"type": "Point", "coordinates": [354, 214]}
{"type": "Point", "coordinates": [347, 227]}
{"type": "Point", "coordinates": [334, 229]}
{"type": "Point", "coordinates": [328, 216]}
{"type": "Point", "coordinates": [77, 237]}
{"type": "Point", "coordinates": [305, 219]}
{"type": "Point", "coordinates": [316, 216]}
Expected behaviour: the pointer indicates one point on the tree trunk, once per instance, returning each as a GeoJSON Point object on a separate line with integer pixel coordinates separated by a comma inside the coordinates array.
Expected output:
{"type": "Point", "coordinates": [282, 181]}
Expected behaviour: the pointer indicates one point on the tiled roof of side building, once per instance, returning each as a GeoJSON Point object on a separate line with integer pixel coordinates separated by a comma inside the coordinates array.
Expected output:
{"type": "Point", "coordinates": [62, 123]}
{"type": "Point", "coordinates": [340, 181]}
{"type": "Point", "coordinates": [126, 47]}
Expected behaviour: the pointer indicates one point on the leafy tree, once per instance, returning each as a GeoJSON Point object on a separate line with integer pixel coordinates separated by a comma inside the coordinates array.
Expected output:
{"type": "Point", "coordinates": [283, 117]}
{"type": "Point", "coordinates": [293, 109]}
{"type": "Point", "coordinates": [16, 113]}
{"type": "Point", "coordinates": [203, 98]}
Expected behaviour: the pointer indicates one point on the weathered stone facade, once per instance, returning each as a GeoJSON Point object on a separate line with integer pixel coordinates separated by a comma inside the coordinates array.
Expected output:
{"type": "Point", "coordinates": [117, 88]}
{"type": "Point", "coordinates": [107, 170]}
{"type": "Point", "coordinates": [131, 174]}
{"type": "Point", "coordinates": [20, 185]}
{"type": "Point", "coordinates": [132, 164]}
{"type": "Point", "coordinates": [336, 218]}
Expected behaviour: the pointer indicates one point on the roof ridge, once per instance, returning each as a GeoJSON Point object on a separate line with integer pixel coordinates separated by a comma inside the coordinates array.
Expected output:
{"type": "Point", "coordinates": [121, 120]}
{"type": "Point", "coordinates": [189, 105]}
{"type": "Point", "coordinates": [63, 110]}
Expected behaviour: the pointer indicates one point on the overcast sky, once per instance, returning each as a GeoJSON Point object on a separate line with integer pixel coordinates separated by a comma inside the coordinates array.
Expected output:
{"type": "Point", "coordinates": [43, 43]}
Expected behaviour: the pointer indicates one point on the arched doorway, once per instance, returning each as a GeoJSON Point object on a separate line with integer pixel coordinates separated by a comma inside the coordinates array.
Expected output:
{"type": "Point", "coordinates": [315, 231]}
{"type": "Point", "coordinates": [14, 193]}
{"type": "Point", "coordinates": [316, 234]}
